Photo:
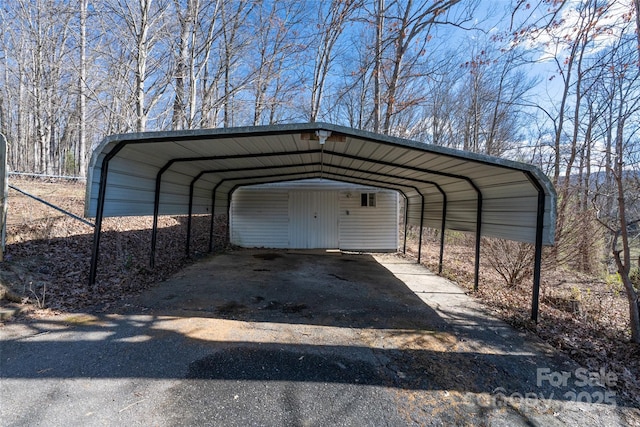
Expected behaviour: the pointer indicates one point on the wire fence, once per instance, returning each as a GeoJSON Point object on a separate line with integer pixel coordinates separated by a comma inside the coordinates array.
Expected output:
{"type": "Point", "coordinates": [40, 175]}
{"type": "Point", "coordinates": [51, 205]}
{"type": "Point", "coordinates": [41, 198]}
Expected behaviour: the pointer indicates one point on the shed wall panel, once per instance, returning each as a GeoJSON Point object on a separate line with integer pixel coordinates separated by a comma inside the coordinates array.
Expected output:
{"type": "Point", "coordinates": [314, 219]}
{"type": "Point", "coordinates": [369, 228]}
{"type": "Point", "coordinates": [260, 219]}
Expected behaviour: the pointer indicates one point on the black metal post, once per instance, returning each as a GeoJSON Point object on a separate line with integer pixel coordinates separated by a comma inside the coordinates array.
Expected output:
{"type": "Point", "coordinates": [213, 215]}
{"type": "Point", "coordinates": [478, 238]}
{"type": "Point", "coordinates": [156, 211]}
{"type": "Point", "coordinates": [228, 232]}
{"type": "Point", "coordinates": [442, 228]}
{"type": "Point", "coordinates": [187, 248]}
{"type": "Point", "coordinates": [191, 187]}
{"type": "Point", "coordinates": [537, 263]}
{"type": "Point", "coordinates": [421, 224]}
{"type": "Point", "coordinates": [97, 231]}
{"type": "Point", "coordinates": [406, 224]}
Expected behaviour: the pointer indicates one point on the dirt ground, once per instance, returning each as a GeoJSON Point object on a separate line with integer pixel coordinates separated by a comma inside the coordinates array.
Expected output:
{"type": "Point", "coordinates": [263, 337]}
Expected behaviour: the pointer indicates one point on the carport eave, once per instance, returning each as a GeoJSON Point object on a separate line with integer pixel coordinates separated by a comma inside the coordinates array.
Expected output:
{"type": "Point", "coordinates": [366, 174]}
{"type": "Point", "coordinates": [253, 131]}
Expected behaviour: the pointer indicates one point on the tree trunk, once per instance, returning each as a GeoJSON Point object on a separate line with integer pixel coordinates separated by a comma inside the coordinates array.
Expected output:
{"type": "Point", "coordinates": [182, 57]}
{"type": "Point", "coordinates": [82, 93]}
{"type": "Point", "coordinates": [377, 70]}
{"type": "Point", "coordinates": [623, 263]}
{"type": "Point", "coordinates": [632, 298]}
{"type": "Point", "coordinates": [636, 5]}
{"type": "Point", "coordinates": [141, 65]}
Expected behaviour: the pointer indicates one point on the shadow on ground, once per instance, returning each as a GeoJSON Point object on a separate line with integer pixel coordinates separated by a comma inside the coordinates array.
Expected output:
{"type": "Point", "coordinates": [285, 316]}
{"type": "Point", "coordinates": [305, 287]}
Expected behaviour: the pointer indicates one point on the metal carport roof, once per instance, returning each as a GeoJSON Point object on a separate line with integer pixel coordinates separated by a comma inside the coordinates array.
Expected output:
{"type": "Point", "coordinates": [196, 171]}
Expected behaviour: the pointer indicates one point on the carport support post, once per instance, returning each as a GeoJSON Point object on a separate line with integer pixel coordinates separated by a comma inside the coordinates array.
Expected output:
{"type": "Point", "coordinates": [102, 190]}
{"type": "Point", "coordinates": [213, 215]}
{"type": "Point", "coordinates": [537, 262]}
{"type": "Point", "coordinates": [156, 212]}
{"type": "Point", "coordinates": [154, 227]}
{"type": "Point", "coordinates": [406, 218]}
{"type": "Point", "coordinates": [187, 248]}
{"type": "Point", "coordinates": [478, 237]}
{"type": "Point", "coordinates": [421, 224]}
{"type": "Point", "coordinates": [98, 228]}
{"type": "Point", "coordinates": [4, 193]}
{"type": "Point", "coordinates": [442, 228]}
{"type": "Point", "coordinates": [227, 234]}
{"type": "Point", "coordinates": [191, 186]}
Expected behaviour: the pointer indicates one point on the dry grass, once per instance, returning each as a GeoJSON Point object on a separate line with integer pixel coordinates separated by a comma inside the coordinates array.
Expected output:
{"type": "Point", "coordinates": [584, 316]}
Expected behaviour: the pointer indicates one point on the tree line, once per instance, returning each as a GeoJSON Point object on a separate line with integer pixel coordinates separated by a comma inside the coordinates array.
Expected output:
{"type": "Point", "coordinates": [74, 72]}
{"type": "Point", "coordinates": [547, 82]}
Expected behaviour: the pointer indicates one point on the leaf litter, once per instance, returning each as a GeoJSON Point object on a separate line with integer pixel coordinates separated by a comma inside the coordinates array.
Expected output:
{"type": "Point", "coordinates": [47, 260]}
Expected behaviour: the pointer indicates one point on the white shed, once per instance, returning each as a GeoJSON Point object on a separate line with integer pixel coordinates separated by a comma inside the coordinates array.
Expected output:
{"type": "Point", "coordinates": [315, 214]}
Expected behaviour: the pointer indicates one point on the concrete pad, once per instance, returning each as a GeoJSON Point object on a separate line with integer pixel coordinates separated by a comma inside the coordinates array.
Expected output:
{"type": "Point", "coordinates": [261, 337]}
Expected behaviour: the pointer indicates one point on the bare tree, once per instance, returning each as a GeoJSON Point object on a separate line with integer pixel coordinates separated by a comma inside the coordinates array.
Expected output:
{"type": "Point", "coordinates": [617, 199]}
{"type": "Point", "coordinates": [354, 97]}
{"type": "Point", "coordinates": [491, 100]}
{"type": "Point", "coordinates": [7, 97]}
{"type": "Point", "coordinates": [187, 21]}
{"type": "Point", "coordinates": [82, 93]}
{"type": "Point", "coordinates": [440, 110]}
{"type": "Point", "coordinates": [393, 62]}
{"type": "Point", "coordinates": [202, 84]}
{"type": "Point", "coordinates": [136, 28]}
{"type": "Point", "coordinates": [277, 54]}
{"type": "Point", "coordinates": [569, 35]}
{"type": "Point", "coordinates": [332, 18]}
{"type": "Point", "coordinates": [377, 69]}
{"type": "Point", "coordinates": [234, 44]}
{"type": "Point", "coordinates": [46, 29]}
{"type": "Point", "coordinates": [636, 9]}
{"type": "Point", "coordinates": [408, 32]}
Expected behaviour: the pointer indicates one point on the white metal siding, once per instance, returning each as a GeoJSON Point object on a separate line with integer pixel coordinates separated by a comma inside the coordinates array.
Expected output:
{"type": "Point", "coordinates": [314, 218]}
{"type": "Point", "coordinates": [369, 228]}
{"type": "Point", "coordinates": [224, 156]}
{"type": "Point", "coordinates": [260, 219]}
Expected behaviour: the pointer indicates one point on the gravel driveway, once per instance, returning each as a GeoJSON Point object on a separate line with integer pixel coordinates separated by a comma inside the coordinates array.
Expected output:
{"type": "Point", "coordinates": [258, 337]}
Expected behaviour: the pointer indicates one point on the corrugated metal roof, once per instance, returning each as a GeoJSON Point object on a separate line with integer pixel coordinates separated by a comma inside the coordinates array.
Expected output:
{"type": "Point", "coordinates": [316, 184]}
{"type": "Point", "coordinates": [220, 160]}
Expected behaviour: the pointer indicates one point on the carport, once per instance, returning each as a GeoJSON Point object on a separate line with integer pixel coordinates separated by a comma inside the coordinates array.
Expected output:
{"type": "Point", "coordinates": [197, 171]}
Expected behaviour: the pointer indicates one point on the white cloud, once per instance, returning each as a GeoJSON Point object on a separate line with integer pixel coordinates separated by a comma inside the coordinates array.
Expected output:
{"type": "Point", "coordinates": [604, 25]}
